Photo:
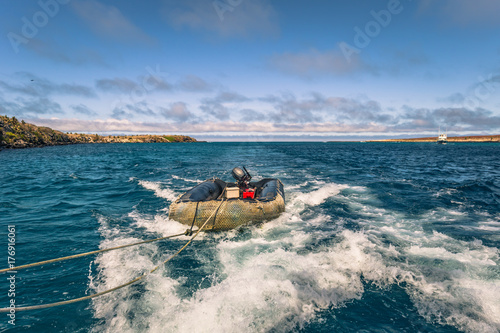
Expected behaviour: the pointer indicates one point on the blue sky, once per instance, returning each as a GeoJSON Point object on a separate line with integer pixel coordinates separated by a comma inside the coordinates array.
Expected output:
{"type": "Point", "coordinates": [253, 69]}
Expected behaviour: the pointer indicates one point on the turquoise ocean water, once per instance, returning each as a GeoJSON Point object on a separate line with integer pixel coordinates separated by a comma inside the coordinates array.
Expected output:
{"type": "Point", "coordinates": [375, 238]}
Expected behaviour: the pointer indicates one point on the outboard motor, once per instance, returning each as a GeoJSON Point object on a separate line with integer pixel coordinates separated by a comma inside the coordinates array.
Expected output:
{"type": "Point", "coordinates": [241, 176]}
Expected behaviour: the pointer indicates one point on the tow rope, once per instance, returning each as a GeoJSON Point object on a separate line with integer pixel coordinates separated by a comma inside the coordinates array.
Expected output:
{"type": "Point", "coordinates": [188, 232]}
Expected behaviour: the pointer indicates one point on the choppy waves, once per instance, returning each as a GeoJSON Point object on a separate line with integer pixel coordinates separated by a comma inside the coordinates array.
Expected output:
{"type": "Point", "coordinates": [375, 237]}
{"type": "Point", "coordinates": [280, 275]}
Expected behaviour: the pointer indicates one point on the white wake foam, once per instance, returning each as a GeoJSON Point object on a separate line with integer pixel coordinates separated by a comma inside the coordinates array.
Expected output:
{"type": "Point", "coordinates": [269, 279]}
{"type": "Point", "coordinates": [187, 179]}
{"type": "Point", "coordinates": [159, 191]}
{"type": "Point", "coordinates": [446, 278]}
{"type": "Point", "coordinates": [249, 292]}
{"type": "Point", "coordinates": [157, 224]}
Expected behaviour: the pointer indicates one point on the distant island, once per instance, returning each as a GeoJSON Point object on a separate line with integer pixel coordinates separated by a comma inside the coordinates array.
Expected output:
{"type": "Point", "coordinates": [477, 138]}
{"type": "Point", "coordinates": [19, 134]}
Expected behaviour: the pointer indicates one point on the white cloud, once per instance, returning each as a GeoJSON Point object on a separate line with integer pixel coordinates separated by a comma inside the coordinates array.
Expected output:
{"type": "Point", "coordinates": [456, 118]}
{"type": "Point", "coordinates": [477, 11]}
{"type": "Point", "coordinates": [227, 19]}
{"type": "Point", "coordinates": [177, 111]}
{"type": "Point", "coordinates": [222, 105]}
{"type": "Point", "coordinates": [30, 106]}
{"type": "Point", "coordinates": [194, 83]}
{"type": "Point", "coordinates": [465, 12]}
{"type": "Point", "coordinates": [139, 87]}
{"type": "Point", "coordinates": [319, 108]}
{"type": "Point", "coordinates": [122, 85]}
{"type": "Point", "coordinates": [108, 21]}
{"type": "Point", "coordinates": [83, 109]}
{"type": "Point", "coordinates": [125, 125]}
{"type": "Point", "coordinates": [315, 62]}
{"type": "Point", "coordinates": [410, 120]}
{"type": "Point", "coordinates": [50, 49]}
{"type": "Point", "coordinates": [28, 84]}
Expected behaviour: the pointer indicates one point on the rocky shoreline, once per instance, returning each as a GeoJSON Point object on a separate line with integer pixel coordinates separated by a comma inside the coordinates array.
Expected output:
{"type": "Point", "coordinates": [15, 134]}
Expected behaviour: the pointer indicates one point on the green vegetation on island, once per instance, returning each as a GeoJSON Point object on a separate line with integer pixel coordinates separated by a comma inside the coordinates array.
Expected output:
{"type": "Point", "coordinates": [19, 134]}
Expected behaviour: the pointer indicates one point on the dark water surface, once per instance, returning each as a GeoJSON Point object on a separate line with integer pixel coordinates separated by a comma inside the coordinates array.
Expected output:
{"type": "Point", "coordinates": [375, 238]}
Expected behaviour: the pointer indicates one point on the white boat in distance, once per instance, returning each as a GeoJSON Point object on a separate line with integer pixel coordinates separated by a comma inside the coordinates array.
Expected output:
{"type": "Point", "coordinates": [442, 138]}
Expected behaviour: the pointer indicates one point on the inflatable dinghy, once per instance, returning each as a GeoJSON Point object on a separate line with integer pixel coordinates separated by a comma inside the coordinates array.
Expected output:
{"type": "Point", "coordinates": [245, 202]}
